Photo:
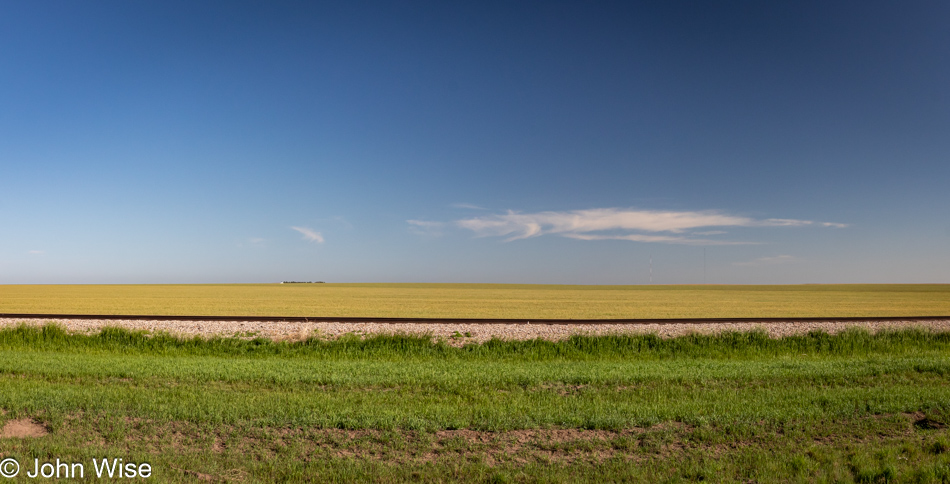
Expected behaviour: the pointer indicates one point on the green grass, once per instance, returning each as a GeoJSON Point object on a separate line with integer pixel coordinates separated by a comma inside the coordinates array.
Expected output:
{"type": "Point", "coordinates": [481, 300]}
{"type": "Point", "coordinates": [740, 407]}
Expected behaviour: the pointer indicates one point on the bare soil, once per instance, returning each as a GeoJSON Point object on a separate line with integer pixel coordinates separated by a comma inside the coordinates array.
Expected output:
{"type": "Point", "coordinates": [23, 428]}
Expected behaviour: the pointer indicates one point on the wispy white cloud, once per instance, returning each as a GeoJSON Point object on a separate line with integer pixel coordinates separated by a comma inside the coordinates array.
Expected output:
{"type": "Point", "coordinates": [309, 234]}
{"type": "Point", "coordinates": [782, 222]}
{"type": "Point", "coordinates": [256, 242]}
{"type": "Point", "coordinates": [523, 225]}
{"type": "Point", "coordinates": [668, 239]}
{"type": "Point", "coordinates": [36, 252]}
{"type": "Point", "coordinates": [590, 225]}
{"type": "Point", "coordinates": [424, 223]}
{"type": "Point", "coordinates": [767, 261]}
{"type": "Point", "coordinates": [469, 206]}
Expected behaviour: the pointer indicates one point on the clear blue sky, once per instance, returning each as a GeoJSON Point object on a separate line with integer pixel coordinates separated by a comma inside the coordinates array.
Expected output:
{"type": "Point", "coordinates": [546, 142]}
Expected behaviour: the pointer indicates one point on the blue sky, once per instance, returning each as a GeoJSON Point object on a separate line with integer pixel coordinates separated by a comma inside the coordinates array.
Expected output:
{"type": "Point", "coordinates": [531, 142]}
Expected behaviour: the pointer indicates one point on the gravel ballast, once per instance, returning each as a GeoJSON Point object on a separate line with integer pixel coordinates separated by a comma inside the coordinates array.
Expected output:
{"type": "Point", "coordinates": [460, 333]}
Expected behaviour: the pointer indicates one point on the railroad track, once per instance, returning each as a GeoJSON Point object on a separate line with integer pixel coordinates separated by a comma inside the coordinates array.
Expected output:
{"type": "Point", "coordinates": [328, 319]}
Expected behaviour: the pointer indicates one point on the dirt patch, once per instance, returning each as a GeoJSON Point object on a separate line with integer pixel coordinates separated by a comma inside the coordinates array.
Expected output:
{"type": "Point", "coordinates": [557, 436]}
{"type": "Point", "coordinates": [22, 428]}
{"type": "Point", "coordinates": [928, 423]}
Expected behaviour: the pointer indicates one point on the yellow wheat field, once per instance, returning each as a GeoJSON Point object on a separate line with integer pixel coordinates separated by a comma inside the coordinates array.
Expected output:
{"type": "Point", "coordinates": [480, 300]}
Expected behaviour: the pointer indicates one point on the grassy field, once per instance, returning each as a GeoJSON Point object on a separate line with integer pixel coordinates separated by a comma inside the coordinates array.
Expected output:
{"type": "Point", "coordinates": [480, 300]}
{"type": "Point", "coordinates": [852, 407]}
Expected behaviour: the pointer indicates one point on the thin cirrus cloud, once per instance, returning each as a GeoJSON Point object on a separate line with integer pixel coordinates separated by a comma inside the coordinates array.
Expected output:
{"type": "Point", "coordinates": [309, 234]}
{"type": "Point", "coordinates": [468, 206]}
{"type": "Point", "coordinates": [424, 227]}
{"type": "Point", "coordinates": [767, 261]}
{"type": "Point", "coordinates": [605, 223]}
{"type": "Point", "coordinates": [663, 239]}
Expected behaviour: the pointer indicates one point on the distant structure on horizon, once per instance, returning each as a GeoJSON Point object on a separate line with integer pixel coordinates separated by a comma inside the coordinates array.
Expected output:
{"type": "Point", "coordinates": [301, 282]}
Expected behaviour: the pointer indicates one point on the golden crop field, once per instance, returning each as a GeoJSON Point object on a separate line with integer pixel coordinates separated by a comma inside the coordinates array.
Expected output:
{"type": "Point", "coordinates": [480, 300]}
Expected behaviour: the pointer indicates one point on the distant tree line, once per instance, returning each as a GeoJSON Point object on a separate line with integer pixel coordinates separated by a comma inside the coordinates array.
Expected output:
{"type": "Point", "coordinates": [301, 282]}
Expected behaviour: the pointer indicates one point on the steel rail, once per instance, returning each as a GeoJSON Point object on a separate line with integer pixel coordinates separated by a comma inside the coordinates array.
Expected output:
{"type": "Point", "coordinates": [334, 319]}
